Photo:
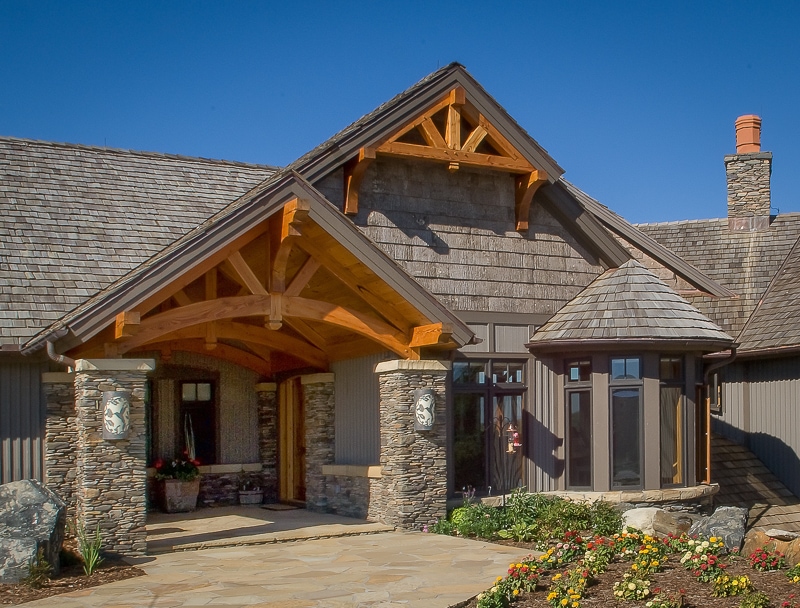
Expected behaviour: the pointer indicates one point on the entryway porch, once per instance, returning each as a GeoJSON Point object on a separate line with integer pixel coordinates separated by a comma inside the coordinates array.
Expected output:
{"type": "Point", "coordinates": [251, 525]}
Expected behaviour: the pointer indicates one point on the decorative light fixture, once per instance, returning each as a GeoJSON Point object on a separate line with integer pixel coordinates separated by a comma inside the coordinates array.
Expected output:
{"type": "Point", "coordinates": [116, 415]}
{"type": "Point", "coordinates": [424, 409]}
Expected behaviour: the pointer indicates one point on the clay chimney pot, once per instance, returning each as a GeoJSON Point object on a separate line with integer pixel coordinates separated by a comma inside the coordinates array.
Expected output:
{"type": "Point", "coordinates": [748, 134]}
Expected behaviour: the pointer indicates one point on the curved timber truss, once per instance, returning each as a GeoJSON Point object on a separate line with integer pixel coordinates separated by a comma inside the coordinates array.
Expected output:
{"type": "Point", "coordinates": [287, 296]}
{"type": "Point", "coordinates": [455, 132]}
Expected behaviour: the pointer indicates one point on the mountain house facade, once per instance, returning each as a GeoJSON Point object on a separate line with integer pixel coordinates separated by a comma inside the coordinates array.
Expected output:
{"type": "Point", "coordinates": [419, 306]}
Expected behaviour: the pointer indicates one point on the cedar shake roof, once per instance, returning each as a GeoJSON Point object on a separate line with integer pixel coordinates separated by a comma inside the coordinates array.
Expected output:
{"type": "Point", "coordinates": [775, 324]}
{"type": "Point", "coordinates": [627, 305]}
{"type": "Point", "coordinates": [76, 218]}
{"type": "Point", "coordinates": [743, 261]}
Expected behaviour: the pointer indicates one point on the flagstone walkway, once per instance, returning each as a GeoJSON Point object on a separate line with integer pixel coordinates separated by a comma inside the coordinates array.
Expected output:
{"type": "Point", "coordinates": [411, 569]}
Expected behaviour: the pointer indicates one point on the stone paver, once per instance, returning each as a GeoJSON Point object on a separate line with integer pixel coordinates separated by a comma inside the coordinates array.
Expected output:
{"type": "Point", "coordinates": [410, 569]}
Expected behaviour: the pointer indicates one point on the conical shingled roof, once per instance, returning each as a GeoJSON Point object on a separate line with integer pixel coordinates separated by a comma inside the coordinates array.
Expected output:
{"type": "Point", "coordinates": [629, 305]}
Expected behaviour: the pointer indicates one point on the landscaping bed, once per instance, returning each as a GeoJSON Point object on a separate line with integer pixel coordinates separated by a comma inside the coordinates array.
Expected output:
{"type": "Point", "coordinates": [578, 556]}
{"type": "Point", "coordinates": [71, 577]}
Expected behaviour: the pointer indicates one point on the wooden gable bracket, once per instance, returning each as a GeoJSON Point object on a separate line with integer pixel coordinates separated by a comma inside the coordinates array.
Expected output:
{"type": "Point", "coordinates": [127, 324]}
{"type": "Point", "coordinates": [449, 147]}
{"type": "Point", "coordinates": [525, 187]}
{"type": "Point", "coordinates": [354, 171]}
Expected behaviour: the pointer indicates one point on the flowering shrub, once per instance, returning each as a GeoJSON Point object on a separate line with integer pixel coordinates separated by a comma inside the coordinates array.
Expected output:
{"type": "Point", "coordinates": [496, 597]}
{"type": "Point", "coordinates": [631, 587]}
{"type": "Point", "coordinates": [599, 554]}
{"type": "Point", "coordinates": [725, 585]}
{"type": "Point", "coordinates": [755, 599]}
{"type": "Point", "coordinates": [566, 589]}
{"type": "Point", "coordinates": [703, 566]}
{"type": "Point", "coordinates": [662, 600]}
{"type": "Point", "coordinates": [627, 543]}
{"type": "Point", "coordinates": [790, 603]}
{"type": "Point", "coordinates": [793, 574]}
{"type": "Point", "coordinates": [765, 561]}
{"type": "Point", "coordinates": [180, 468]}
{"type": "Point", "coordinates": [522, 576]}
{"type": "Point", "coordinates": [561, 554]}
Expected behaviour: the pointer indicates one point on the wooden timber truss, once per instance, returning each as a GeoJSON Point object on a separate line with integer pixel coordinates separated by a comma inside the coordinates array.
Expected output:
{"type": "Point", "coordinates": [284, 296]}
{"type": "Point", "coordinates": [455, 133]}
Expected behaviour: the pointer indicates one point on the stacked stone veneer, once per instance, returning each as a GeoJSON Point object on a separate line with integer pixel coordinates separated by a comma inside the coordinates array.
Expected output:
{"type": "Point", "coordinates": [268, 439]}
{"type": "Point", "coordinates": [412, 489]}
{"type": "Point", "coordinates": [61, 436]}
{"type": "Point", "coordinates": [749, 190]}
{"type": "Point", "coordinates": [111, 481]}
{"type": "Point", "coordinates": [318, 401]}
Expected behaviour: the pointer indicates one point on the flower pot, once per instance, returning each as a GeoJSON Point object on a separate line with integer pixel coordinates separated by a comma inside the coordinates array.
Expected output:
{"type": "Point", "coordinates": [176, 496]}
{"type": "Point", "coordinates": [251, 497]}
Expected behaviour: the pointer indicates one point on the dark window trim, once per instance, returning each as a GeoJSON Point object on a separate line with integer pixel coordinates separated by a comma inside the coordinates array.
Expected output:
{"type": "Point", "coordinates": [618, 384]}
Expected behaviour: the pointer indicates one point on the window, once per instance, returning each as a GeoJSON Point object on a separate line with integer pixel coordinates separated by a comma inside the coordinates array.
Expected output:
{"type": "Point", "coordinates": [626, 422]}
{"type": "Point", "coordinates": [197, 422]}
{"type": "Point", "coordinates": [579, 424]}
{"type": "Point", "coordinates": [673, 421]}
{"type": "Point", "coordinates": [488, 400]}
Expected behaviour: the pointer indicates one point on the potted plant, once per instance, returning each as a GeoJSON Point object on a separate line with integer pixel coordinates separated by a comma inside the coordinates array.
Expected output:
{"type": "Point", "coordinates": [179, 484]}
{"type": "Point", "coordinates": [249, 492]}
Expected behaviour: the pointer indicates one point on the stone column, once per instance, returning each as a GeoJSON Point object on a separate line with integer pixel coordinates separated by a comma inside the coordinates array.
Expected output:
{"type": "Point", "coordinates": [267, 393]}
{"type": "Point", "coordinates": [61, 436]}
{"type": "Point", "coordinates": [412, 490]}
{"type": "Point", "coordinates": [111, 483]}
{"type": "Point", "coordinates": [318, 401]}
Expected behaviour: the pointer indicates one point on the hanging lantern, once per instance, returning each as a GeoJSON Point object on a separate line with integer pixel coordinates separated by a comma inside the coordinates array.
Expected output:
{"type": "Point", "coordinates": [424, 409]}
{"type": "Point", "coordinates": [116, 415]}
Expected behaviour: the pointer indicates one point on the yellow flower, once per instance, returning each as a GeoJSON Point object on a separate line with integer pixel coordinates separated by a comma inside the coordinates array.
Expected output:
{"type": "Point", "coordinates": [564, 602]}
{"type": "Point", "coordinates": [516, 592]}
{"type": "Point", "coordinates": [551, 595]}
{"type": "Point", "coordinates": [519, 565]}
{"type": "Point", "coordinates": [734, 582]}
{"type": "Point", "coordinates": [556, 577]}
{"type": "Point", "coordinates": [499, 578]}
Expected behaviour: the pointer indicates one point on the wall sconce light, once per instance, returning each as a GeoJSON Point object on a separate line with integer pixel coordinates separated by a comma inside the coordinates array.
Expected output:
{"type": "Point", "coordinates": [424, 409]}
{"type": "Point", "coordinates": [116, 415]}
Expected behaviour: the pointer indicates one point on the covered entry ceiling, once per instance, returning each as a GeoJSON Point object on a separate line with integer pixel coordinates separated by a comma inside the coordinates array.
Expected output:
{"type": "Point", "coordinates": [297, 290]}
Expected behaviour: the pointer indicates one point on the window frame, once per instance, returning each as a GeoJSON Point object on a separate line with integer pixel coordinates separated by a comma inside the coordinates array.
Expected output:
{"type": "Point", "coordinates": [621, 384]}
{"type": "Point", "coordinates": [576, 387]}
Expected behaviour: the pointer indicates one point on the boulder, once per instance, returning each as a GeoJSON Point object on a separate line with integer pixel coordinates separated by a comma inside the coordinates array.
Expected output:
{"type": "Point", "coordinates": [729, 523]}
{"type": "Point", "coordinates": [31, 518]}
{"type": "Point", "coordinates": [654, 521]}
{"type": "Point", "coordinates": [783, 535]}
{"type": "Point", "coordinates": [756, 539]}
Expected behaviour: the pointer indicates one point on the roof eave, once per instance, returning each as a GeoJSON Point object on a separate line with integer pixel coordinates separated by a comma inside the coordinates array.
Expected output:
{"type": "Point", "coordinates": [619, 344]}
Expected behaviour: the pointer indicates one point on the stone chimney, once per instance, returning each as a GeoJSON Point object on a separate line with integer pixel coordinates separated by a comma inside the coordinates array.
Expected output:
{"type": "Point", "coordinates": [748, 172]}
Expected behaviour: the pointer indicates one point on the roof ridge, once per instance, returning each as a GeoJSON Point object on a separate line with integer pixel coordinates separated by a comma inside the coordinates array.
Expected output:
{"type": "Point", "coordinates": [128, 152]}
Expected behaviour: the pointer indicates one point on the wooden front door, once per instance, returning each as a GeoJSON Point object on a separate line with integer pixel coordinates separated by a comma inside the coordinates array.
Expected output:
{"type": "Point", "coordinates": [292, 442]}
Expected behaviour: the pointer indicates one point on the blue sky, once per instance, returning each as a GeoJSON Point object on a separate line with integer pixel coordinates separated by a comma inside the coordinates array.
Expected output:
{"type": "Point", "coordinates": [636, 100]}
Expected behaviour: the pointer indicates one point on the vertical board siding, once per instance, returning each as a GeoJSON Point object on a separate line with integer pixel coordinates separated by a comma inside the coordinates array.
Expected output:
{"type": "Point", "coordinates": [543, 445]}
{"type": "Point", "coordinates": [760, 410]}
{"type": "Point", "coordinates": [774, 436]}
{"type": "Point", "coordinates": [511, 338]}
{"type": "Point", "coordinates": [23, 412]}
{"type": "Point", "coordinates": [481, 331]}
{"type": "Point", "coordinates": [357, 414]}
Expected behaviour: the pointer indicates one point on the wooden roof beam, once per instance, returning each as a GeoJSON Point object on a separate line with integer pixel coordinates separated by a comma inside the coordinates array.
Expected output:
{"type": "Point", "coordinates": [127, 324]}
{"type": "Point", "coordinates": [471, 159]}
{"type": "Point", "coordinates": [431, 335]}
{"type": "Point", "coordinates": [223, 351]}
{"type": "Point", "coordinates": [525, 187]}
{"type": "Point", "coordinates": [354, 171]}
{"type": "Point", "coordinates": [362, 291]}
{"type": "Point", "coordinates": [227, 308]}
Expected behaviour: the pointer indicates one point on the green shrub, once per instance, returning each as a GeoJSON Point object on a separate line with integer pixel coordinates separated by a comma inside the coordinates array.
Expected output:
{"type": "Point", "coordinates": [755, 599]}
{"type": "Point", "coordinates": [89, 547]}
{"type": "Point", "coordinates": [606, 518]}
{"type": "Point", "coordinates": [39, 571]}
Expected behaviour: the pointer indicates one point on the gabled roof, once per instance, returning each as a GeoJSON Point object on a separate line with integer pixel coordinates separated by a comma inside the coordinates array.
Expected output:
{"type": "Point", "coordinates": [224, 228]}
{"type": "Point", "coordinates": [76, 218]}
{"type": "Point", "coordinates": [392, 115]}
{"type": "Point", "coordinates": [743, 261]}
{"type": "Point", "coordinates": [775, 324]}
{"type": "Point", "coordinates": [629, 306]}
{"type": "Point", "coordinates": [653, 248]}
